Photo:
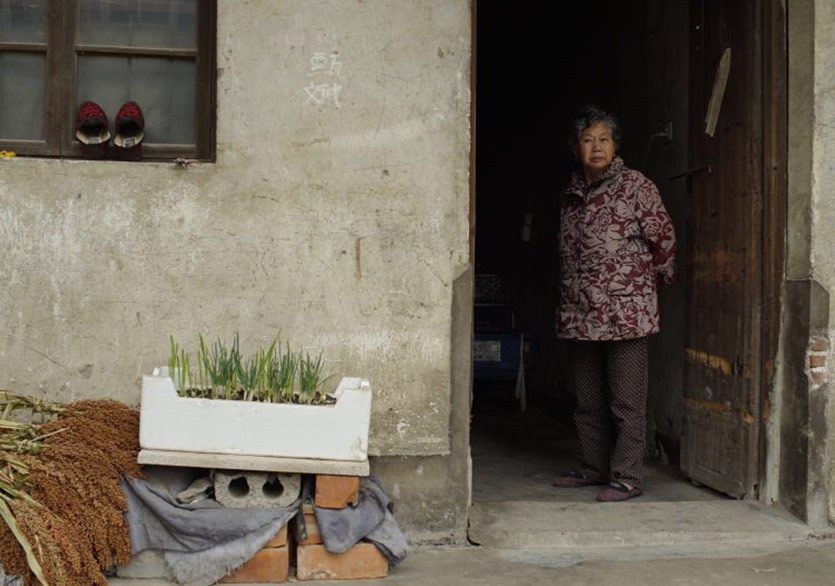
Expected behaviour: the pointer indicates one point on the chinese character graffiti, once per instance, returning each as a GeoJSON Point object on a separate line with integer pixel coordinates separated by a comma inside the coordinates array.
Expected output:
{"type": "Point", "coordinates": [324, 88]}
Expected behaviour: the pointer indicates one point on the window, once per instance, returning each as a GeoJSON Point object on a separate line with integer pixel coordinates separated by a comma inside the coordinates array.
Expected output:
{"type": "Point", "coordinates": [57, 54]}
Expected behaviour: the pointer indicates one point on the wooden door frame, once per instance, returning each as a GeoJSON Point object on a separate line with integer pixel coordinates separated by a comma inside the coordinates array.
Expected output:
{"type": "Point", "coordinates": [775, 204]}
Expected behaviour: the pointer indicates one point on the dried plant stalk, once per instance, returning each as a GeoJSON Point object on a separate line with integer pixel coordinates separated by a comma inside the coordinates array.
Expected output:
{"type": "Point", "coordinates": [64, 496]}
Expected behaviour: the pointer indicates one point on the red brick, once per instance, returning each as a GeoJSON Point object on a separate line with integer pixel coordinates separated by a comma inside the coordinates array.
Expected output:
{"type": "Point", "coordinates": [280, 539]}
{"type": "Point", "coordinates": [816, 361]}
{"type": "Point", "coordinates": [820, 345]}
{"type": "Point", "coordinates": [363, 561]}
{"type": "Point", "coordinates": [337, 492]}
{"type": "Point", "coordinates": [818, 378]}
{"type": "Point", "coordinates": [313, 535]}
{"type": "Point", "coordinates": [268, 565]}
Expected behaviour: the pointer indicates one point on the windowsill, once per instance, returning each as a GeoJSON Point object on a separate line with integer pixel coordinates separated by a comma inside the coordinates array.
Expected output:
{"type": "Point", "coordinates": [178, 161]}
{"type": "Point", "coordinates": [152, 152]}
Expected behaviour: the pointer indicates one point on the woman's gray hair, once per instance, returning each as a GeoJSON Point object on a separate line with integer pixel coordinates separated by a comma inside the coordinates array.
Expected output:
{"type": "Point", "coordinates": [589, 116]}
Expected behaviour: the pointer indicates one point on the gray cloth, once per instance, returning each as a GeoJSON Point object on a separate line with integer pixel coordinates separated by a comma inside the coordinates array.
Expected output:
{"type": "Point", "coordinates": [6, 580]}
{"type": "Point", "coordinates": [202, 542]}
{"type": "Point", "coordinates": [371, 520]}
{"type": "Point", "coordinates": [199, 490]}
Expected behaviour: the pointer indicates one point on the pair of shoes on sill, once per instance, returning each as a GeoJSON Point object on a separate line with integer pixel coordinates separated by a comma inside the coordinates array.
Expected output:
{"type": "Point", "coordinates": [615, 492]}
{"type": "Point", "coordinates": [93, 131]}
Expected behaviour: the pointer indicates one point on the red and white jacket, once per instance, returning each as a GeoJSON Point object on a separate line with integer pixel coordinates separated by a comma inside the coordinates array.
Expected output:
{"type": "Point", "coordinates": [616, 241]}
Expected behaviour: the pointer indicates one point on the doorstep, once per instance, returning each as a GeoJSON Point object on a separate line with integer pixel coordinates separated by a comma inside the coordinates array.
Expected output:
{"type": "Point", "coordinates": [554, 526]}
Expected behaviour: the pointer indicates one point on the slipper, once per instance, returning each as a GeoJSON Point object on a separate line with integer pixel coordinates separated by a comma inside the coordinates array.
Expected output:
{"type": "Point", "coordinates": [130, 131]}
{"type": "Point", "coordinates": [618, 491]}
{"type": "Point", "coordinates": [576, 479]}
{"type": "Point", "coordinates": [91, 130]}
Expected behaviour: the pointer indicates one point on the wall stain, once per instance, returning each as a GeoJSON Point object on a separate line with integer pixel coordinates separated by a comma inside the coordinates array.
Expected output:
{"type": "Point", "coordinates": [358, 256]}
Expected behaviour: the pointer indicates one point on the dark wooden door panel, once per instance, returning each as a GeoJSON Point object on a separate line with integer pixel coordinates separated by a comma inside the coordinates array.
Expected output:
{"type": "Point", "coordinates": [724, 264]}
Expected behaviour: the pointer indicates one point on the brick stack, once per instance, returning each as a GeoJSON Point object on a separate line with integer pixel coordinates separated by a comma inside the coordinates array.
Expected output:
{"type": "Point", "coordinates": [270, 565]}
{"type": "Point", "coordinates": [313, 561]}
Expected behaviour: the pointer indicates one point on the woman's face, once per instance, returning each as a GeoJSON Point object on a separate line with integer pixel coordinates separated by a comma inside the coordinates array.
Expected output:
{"type": "Point", "coordinates": [596, 149]}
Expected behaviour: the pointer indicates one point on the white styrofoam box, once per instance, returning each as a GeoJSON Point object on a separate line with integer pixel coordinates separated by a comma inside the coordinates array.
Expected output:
{"type": "Point", "coordinates": [329, 432]}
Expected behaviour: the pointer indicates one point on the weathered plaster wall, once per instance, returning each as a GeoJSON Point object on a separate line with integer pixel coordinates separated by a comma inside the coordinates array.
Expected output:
{"type": "Point", "coordinates": [823, 245]}
{"type": "Point", "coordinates": [337, 211]}
{"type": "Point", "coordinates": [804, 403]}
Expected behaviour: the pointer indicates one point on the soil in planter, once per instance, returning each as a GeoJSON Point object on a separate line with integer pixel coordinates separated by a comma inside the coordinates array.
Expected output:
{"type": "Point", "coordinates": [80, 530]}
{"type": "Point", "coordinates": [198, 393]}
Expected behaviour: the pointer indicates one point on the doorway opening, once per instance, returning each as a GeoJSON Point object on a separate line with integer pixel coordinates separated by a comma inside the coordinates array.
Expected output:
{"type": "Point", "coordinates": [655, 64]}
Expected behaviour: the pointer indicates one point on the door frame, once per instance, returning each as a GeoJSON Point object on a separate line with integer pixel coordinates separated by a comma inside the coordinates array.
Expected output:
{"type": "Point", "coordinates": [775, 203]}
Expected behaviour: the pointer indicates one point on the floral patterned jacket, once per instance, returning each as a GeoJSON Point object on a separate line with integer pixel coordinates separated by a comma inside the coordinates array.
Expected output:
{"type": "Point", "coordinates": [616, 240]}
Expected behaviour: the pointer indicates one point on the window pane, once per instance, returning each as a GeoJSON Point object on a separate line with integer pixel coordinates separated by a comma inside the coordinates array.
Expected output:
{"type": "Point", "coordinates": [22, 96]}
{"type": "Point", "coordinates": [160, 24]}
{"type": "Point", "coordinates": [23, 21]}
{"type": "Point", "coordinates": [163, 88]}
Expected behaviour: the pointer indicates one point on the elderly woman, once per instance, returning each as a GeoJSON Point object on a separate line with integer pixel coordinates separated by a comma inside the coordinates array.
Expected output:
{"type": "Point", "coordinates": [616, 243]}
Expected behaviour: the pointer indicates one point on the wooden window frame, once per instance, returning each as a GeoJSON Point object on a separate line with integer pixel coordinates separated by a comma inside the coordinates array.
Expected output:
{"type": "Point", "coordinates": [62, 49]}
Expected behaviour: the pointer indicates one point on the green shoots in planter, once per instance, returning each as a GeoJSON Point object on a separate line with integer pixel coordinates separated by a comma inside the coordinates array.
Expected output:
{"type": "Point", "coordinates": [173, 359]}
{"type": "Point", "coordinates": [178, 367]}
{"type": "Point", "coordinates": [268, 376]}
{"type": "Point", "coordinates": [281, 374]}
{"type": "Point", "coordinates": [310, 378]}
{"type": "Point", "coordinates": [183, 373]}
{"type": "Point", "coordinates": [222, 365]}
{"type": "Point", "coordinates": [265, 362]}
{"type": "Point", "coordinates": [249, 372]}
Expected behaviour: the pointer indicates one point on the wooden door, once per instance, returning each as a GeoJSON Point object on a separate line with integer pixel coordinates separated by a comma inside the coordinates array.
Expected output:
{"type": "Point", "coordinates": [725, 263]}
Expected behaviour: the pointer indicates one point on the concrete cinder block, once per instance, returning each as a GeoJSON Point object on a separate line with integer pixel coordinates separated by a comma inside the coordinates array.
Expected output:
{"type": "Point", "coordinates": [256, 490]}
{"type": "Point", "coordinates": [146, 564]}
{"type": "Point", "coordinates": [267, 566]}
{"type": "Point", "coordinates": [362, 562]}
{"type": "Point", "coordinates": [337, 492]}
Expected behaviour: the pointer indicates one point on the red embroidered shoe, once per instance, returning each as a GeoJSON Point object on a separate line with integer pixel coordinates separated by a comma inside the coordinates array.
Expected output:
{"type": "Point", "coordinates": [130, 131]}
{"type": "Point", "coordinates": [618, 491]}
{"type": "Point", "coordinates": [91, 129]}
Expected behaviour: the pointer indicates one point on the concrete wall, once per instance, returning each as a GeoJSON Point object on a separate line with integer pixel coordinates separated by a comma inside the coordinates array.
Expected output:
{"type": "Point", "coordinates": [806, 409]}
{"type": "Point", "coordinates": [822, 421]}
{"type": "Point", "coordinates": [339, 217]}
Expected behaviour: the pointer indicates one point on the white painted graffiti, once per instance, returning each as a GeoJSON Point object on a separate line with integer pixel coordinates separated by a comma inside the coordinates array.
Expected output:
{"type": "Point", "coordinates": [328, 64]}
{"type": "Point", "coordinates": [325, 88]}
{"type": "Point", "coordinates": [322, 93]}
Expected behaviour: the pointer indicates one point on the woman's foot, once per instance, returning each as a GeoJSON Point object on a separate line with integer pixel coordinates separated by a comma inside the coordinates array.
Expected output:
{"type": "Point", "coordinates": [618, 491]}
{"type": "Point", "coordinates": [576, 479]}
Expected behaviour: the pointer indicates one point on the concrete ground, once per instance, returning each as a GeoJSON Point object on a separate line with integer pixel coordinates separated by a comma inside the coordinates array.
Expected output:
{"type": "Point", "coordinates": [800, 564]}
{"type": "Point", "coordinates": [675, 534]}
{"type": "Point", "coordinates": [811, 565]}
{"type": "Point", "coordinates": [516, 457]}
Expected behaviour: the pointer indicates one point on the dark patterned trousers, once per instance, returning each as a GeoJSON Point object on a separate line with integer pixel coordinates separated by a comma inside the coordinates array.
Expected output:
{"type": "Point", "coordinates": [611, 381]}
